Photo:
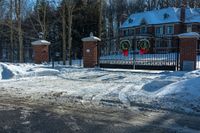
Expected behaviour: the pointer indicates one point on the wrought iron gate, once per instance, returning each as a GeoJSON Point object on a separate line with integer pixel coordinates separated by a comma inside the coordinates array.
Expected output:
{"type": "Point", "coordinates": [164, 57]}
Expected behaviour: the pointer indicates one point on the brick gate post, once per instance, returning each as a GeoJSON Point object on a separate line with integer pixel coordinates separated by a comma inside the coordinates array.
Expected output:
{"type": "Point", "coordinates": [188, 51]}
{"type": "Point", "coordinates": [40, 51]}
{"type": "Point", "coordinates": [90, 51]}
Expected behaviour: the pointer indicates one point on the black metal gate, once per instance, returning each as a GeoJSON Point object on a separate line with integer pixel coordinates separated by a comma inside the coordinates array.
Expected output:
{"type": "Point", "coordinates": [163, 57]}
{"type": "Point", "coordinates": [198, 55]}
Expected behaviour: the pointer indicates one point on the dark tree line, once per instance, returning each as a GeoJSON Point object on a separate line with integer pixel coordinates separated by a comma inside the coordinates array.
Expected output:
{"type": "Point", "coordinates": [65, 22]}
{"type": "Point", "coordinates": [62, 22]}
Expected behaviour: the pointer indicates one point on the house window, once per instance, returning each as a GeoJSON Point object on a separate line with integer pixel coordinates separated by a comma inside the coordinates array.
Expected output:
{"type": "Point", "coordinates": [131, 32]}
{"type": "Point", "coordinates": [169, 43]}
{"type": "Point", "coordinates": [166, 15]}
{"type": "Point", "coordinates": [158, 43]}
{"type": "Point", "coordinates": [169, 29]}
{"type": "Point", "coordinates": [143, 30]}
{"type": "Point", "coordinates": [125, 32]}
{"type": "Point", "coordinates": [159, 30]}
{"type": "Point", "coordinates": [189, 28]}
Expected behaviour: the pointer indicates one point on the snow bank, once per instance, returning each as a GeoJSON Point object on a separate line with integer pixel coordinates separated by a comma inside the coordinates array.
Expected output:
{"type": "Point", "coordinates": [190, 88]}
{"type": "Point", "coordinates": [44, 72]}
{"type": "Point", "coordinates": [178, 91]}
{"type": "Point", "coordinates": [5, 72]}
{"type": "Point", "coordinates": [9, 70]}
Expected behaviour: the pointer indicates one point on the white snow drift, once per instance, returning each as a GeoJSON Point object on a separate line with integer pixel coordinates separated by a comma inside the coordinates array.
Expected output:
{"type": "Point", "coordinates": [179, 91]}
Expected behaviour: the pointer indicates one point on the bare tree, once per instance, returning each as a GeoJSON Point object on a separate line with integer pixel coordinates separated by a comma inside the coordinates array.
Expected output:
{"type": "Point", "coordinates": [39, 19]}
{"type": "Point", "coordinates": [18, 7]}
{"type": "Point", "coordinates": [67, 9]}
{"type": "Point", "coordinates": [100, 18]}
{"type": "Point", "coordinates": [64, 43]}
{"type": "Point", "coordinates": [11, 31]}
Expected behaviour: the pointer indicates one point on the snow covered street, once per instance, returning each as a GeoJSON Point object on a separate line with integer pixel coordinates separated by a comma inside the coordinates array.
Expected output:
{"type": "Point", "coordinates": [175, 91]}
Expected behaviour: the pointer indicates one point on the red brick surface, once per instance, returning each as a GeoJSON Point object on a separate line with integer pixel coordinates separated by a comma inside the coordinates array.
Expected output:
{"type": "Point", "coordinates": [188, 52]}
{"type": "Point", "coordinates": [89, 54]}
{"type": "Point", "coordinates": [41, 53]}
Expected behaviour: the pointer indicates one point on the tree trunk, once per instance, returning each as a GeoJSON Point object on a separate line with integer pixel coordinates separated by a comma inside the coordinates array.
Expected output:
{"type": "Point", "coordinates": [21, 47]}
{"type": "Point", "coordinates": [70, 17]}
{"type": "Point", "coordinates": [100, 19]}
{"type": "Point", "coordinates": [19, 27]}
{"type": "Point", "coordinates": [64, 34]}
{"type": "Point", "coordinates": [11, 31]}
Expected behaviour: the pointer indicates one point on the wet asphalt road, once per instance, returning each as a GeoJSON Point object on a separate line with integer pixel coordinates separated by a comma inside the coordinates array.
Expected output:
{"type": "Point", "coordinates": [54, 119]}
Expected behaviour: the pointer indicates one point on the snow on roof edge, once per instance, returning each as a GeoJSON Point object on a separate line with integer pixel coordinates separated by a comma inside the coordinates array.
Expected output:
{"type": "Point", "coordinates": [172, 11]}
{"type": "Point", "coordinates": [189, 35]}
{"type": "Point", "coordinates": [90, 39]}
{"type": "Point", "coordinates": [40, 42]}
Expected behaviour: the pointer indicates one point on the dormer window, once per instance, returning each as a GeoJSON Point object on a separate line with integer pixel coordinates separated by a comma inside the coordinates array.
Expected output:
{"type": "Point", "coordinates": [130, 20]}
{"type": "Point", "coordinates": [143, 22]}
{"type": "Point", "coordinates": [166, 16]}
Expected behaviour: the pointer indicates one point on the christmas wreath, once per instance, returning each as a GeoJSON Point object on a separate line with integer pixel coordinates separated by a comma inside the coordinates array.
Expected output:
{"type": "Point", "coordinates": [125, 44]}
{"type": "Point", "coordinates": [143, 46]}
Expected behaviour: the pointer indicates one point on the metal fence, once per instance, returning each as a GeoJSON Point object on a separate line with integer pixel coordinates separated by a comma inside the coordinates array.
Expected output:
{"type": "Point", "coordinates": [156, 58]}
{"type": "Point", "coordinates": [198, 55]}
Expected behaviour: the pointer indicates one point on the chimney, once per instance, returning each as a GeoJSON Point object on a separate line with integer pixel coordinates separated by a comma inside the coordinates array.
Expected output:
{"type": "Point", "coordinates": [182, 13]}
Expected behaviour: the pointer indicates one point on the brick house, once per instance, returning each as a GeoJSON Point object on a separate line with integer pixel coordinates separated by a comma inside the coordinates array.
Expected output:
{"type": "Point", "coordinates": [160, 27]}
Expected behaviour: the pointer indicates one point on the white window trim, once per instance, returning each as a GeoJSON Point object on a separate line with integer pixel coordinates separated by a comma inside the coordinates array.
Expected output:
{"type": "Point", "coordinates": [169, 43]}
{"type": "Point", "coordinates": [132, 29]}
{"type": "Point", "coordinates": [190, 27]}
{"type": "Point", "coordinates": [167, 25]}
{"type": "Point", "coordinates": [159, 26]}
{"type": "Point", "coordinates": [125, 31]}
{"type": "Point", "coordinates": [141, 29]}
{"type": "Point", "coordinates": [158, 45]}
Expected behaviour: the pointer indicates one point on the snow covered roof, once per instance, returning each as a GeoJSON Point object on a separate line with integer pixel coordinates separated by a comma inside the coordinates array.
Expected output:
{"type": "Point", "coordinates": [166, 15]}
{"type": "Point", "coordinates": [189, 35]}
{"type": "Point", "coordinates": [40, 42]}
{"type": "Point", "coordinates": [192, 15]}
{"type": "Point", "coordinates": [92, 38]}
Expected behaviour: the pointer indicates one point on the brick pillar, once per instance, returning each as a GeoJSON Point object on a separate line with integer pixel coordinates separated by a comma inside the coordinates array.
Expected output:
{"type": "Point", "coordinates": [89, 54]}
{"type": "Point", "coordinates": [90, 51]}
{"type": "Point", "coordinates": [40, 51]}
{"type": "Point", "coordinates": [188, 52]}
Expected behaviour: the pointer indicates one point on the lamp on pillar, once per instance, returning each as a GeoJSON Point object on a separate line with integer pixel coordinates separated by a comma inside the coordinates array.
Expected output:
{"type": "Point", "coordinates": [40, 35]}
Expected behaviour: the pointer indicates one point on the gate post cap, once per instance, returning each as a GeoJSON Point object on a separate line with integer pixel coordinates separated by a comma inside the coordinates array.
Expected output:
{"type": "Point", "coordinates": [40, 42]}
{"type": "Point", "coordinates": [189, 35]}
{"type": "Point", "coordinates": [91, 38]}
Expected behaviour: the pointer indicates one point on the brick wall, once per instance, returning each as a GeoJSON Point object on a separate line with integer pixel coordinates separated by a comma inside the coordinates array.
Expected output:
{"type": "Point", "coordinates": [177, 28]}
{"type": "Point", "coordinates": [90, 54]}
{"type": "Point", "coordinates": [150, 30]}
{"type": "Point", "coordinates": [188, 51]}
{"type": "Point", "coordinates": [196, 27]}
{"type": "Point", "coordinates": [41, 53]}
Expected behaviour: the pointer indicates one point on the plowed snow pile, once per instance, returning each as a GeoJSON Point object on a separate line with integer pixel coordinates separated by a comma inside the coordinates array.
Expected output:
{"type": "Point", "coordinates": [179, 91]}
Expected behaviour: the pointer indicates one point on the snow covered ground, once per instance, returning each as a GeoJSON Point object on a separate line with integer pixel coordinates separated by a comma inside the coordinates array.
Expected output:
{"type": "Point", "coordinates": [177, 91]}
